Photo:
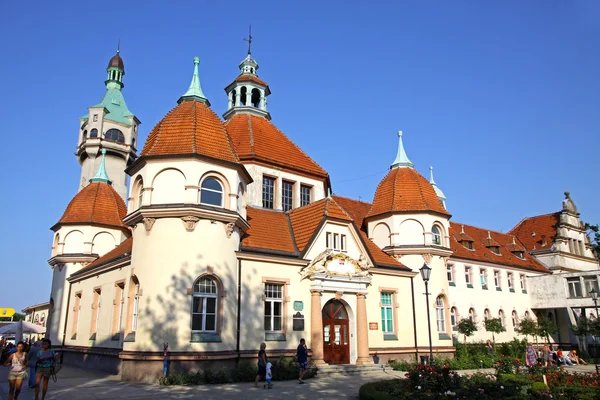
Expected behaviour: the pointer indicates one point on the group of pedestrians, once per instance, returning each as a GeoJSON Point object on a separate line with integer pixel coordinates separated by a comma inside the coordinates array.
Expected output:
{"type": "Point", "coordinates": [35, 366]}
{"type": "Point", "coordinates": [265, 367]}
{"type": "Point", "coordinates": [551, 357]}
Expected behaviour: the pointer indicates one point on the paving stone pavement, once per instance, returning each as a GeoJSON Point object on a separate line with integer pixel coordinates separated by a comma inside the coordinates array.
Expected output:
{"type": "Point", "coordinates": [77, 383]}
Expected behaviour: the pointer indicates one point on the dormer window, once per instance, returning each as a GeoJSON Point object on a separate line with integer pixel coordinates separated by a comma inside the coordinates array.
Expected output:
{"type": "Point", "coordinates": [519, 254]}
{"type": "Point", "coordinates": [115, 135]}
{"type": "Point", "coordinates": [494, 249]}
{"type": "Point", "coordinates": [468, 244]}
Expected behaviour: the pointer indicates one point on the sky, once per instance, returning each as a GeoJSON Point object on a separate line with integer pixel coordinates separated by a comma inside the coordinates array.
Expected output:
{"type": "Point", "coordinates": [501, 97]}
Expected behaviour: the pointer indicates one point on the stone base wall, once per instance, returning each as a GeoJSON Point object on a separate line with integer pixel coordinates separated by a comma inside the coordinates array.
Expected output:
{"type": "Point", "coordinates": [150, 371]}
{"type": "Point", "coordinates": [383, 356]}
{"type": "Point", "coordinates": [98, 359]}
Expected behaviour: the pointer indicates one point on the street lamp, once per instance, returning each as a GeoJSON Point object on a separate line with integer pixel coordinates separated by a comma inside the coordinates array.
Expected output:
{"type": "Point", "coordinates": [425, 274]}
{"type": "Point", "coordinates": [594, 295]}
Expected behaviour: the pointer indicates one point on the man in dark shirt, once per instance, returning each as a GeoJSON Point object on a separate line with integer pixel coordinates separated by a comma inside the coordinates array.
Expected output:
{"type": "Point", "coordinates": [302, 357]}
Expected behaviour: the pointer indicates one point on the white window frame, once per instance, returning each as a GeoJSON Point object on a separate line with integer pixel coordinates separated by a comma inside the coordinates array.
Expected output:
{"type": "Point", "coordinates": [453, 317]}
{"type": "Point", "coordinates": [270, 303]}
{"type": "Point", "coordinates": [343, 243]}
{"type": "Point", "coordinates": [136, 308]}
{"type": "Point", "coordinates": [575, 282]}
{"type": "Point", "coordinates": [121, 304]}
{"type": "Point", "coordinates": [272, 194]}
{"type": "Point", "coordinates": [205, 296]}
{"type": "Point", "coordinates": [336, 241]}
{"type": "Point", "coordinates": [468, 272]}
{"type": "Point", "coordinates": [586, 280]}
{"type": "Point", "coordinates": [509, 278]}
{"type": "Point", "coordinates": [450, 273]}
{"type": "Point", "coordinates": [328, 240]}
{"type": "Point", "coordinates": [514, 318]}
{"type": "Point", "coordinates": [472, 315]}
{"type": "Point", "coordinates": [436, 238]}
{"type": "Point", "coordinates": [302, 197]}
{"type": "Point", "coordinates": [497, 279]}
{"type": "Point", "coordinates": [221, 192]}
{"type": "Point", "coordinates": [522, 281]}
{"type": "Point", "coordinates": [483, 274]}
{"type": "Point", "coordinates": [387, 326]}
{"type": "Point", "coordinates": [284, 196]}
{"type": "Point", "coordinates": [98, 304]}
{"type": "Point", "coordinates": [440, 316]}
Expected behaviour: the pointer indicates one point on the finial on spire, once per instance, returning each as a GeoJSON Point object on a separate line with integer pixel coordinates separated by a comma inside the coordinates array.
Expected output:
{"type": "Point", "coordinates": [249, 40]}
{"type": "Point", "coordinates": [401, 160]}
{"type": "Point", "coordinates": [567, 195]}
{"type": "Point", "coordinates": [119, 46]}
{"type": "Point", "coordinates": [462, 229]}
{"type": "Point", "coordinates": [101, 175]}
{"type": "Point", "coordinates": [194, 92]}
{"type": "Point", "coordinates": [489, 235]}
{"type": "Point", "coordinates": [431, 175]}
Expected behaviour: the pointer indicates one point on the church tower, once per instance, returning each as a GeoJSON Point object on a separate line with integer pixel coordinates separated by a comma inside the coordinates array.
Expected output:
{"type": "Point", "coordinates": [110, 126]}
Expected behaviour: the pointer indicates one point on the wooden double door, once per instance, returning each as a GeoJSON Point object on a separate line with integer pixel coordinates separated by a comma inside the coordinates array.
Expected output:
{"type": "Point", "coordinates": [336, 333]}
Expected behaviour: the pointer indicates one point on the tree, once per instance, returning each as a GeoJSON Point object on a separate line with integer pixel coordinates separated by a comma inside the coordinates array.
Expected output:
{"type": "Point", "coordinates": [494, 325]}
{"type": "Point", "coordinates": [466, 327]}
{"type": "Point", "coordinates": [527, 327]}
{"type": "Point", "coordinates": [546, 327]}
{"type": "Point", "coordinates": [593, 233]}
{"type": "Point", "coordinates": [15, 317]}
{"type": "Point", "coordinates": [582, 330]}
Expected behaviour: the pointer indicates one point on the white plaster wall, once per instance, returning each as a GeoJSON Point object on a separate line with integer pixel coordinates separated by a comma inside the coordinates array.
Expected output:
{"type": "Point", "coordinates": [86, 239]}
{"type": "Point", "coordinates": [354, 247]}
{"type": "Point", "coordinates": [411, 229]}
{"type": "Point", "coordinates": [59, 293]}
{"type": "Point", "coordinates": [254, 195]}
{"type": "Point", "coordinates": [381, 235]}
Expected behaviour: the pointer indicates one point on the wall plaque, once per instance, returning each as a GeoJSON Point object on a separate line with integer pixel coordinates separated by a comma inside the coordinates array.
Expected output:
{"type": "Point", "coordinates": [373, 326]}
{"type": "Point", "coordinates": [298, 306]}
{"type": "Point", "coordinates": [298, 322]}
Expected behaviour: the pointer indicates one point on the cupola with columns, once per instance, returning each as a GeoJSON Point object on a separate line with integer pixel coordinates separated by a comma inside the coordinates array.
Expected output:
{"type": "Point", "coordinates": [247, 94]}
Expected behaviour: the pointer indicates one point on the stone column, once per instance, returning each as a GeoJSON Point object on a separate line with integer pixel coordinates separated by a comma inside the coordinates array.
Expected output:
{"type": "Point", "coordinates": [238, 96]}
{"type": "Point", "coordinates": [263, 104]}
{"type": "Point", "coordinates": [316, 327]}
{"type": "Point", "coordinates": [248, 96]}
{"type": "Point", "coordinates": [230, 100]}
{"type": "Point", "coordinates": [362, 330]}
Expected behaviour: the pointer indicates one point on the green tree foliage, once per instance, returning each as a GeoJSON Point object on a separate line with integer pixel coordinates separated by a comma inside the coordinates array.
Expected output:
{"type": "Point", "coordinates": [593, 233]}
{"type": "Point", "coordinates": [493, 325]}
{"type": "Point", "coordinates": [15, 317]}
{"type": "Point", "coordinates": [466, 327]}
{"type": "Point", "coordinates": [546, 327]}
{"type": "Point", "coordinates": [527, 327]}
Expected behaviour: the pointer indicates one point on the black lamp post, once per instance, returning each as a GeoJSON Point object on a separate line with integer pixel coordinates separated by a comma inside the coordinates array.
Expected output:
{"type": "Point", "coordinates": [425, 274]}
{"type": "Point", "coordinates": [594, 295]}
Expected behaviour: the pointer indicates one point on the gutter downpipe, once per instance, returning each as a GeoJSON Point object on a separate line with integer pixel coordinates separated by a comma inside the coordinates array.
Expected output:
{"type": "Point", "coordinates": [412, 292]}
{"type": "Point", "coordinates": [64, 335]}
{"type": "Point", "coordinates": [239, 306]}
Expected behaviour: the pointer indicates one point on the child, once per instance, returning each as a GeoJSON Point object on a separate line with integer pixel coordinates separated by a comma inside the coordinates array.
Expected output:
{"type": "Point", "coordinates": [269, 376]}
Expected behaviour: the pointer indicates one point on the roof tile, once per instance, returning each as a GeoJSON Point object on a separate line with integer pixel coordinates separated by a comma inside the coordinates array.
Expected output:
{"type": "Point", "coordinates": [96, 203]}
{"type": "Point", "coordinates": [122, 249]}
{"type": "Point", "coordinates": [269, 230]}
{"type": "Point", "coordinates": [537, 233]}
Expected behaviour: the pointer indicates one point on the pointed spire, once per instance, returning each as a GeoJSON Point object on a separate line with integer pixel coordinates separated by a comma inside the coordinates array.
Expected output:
{"type": "Point", "coordinates": [101, 175]}
{"type": "Point", "coordinates": [194, 92]}
{"type": "Point", "coordinates": [489, 235]}
{"type": "Point", "coordinates": [431, 175]}
{"type": "Point", "coordinates": [401, 160]}
{"type": "Point", "coordinates": [462, 229]}
{"type": "Point", "coordinates": [249, 40]}
{"type": "Point", "coordinates": [437, 190]}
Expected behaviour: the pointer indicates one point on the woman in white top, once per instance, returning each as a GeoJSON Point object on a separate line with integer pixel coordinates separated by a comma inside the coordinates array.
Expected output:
{"type": "Point", "coordinates": [17, 362]}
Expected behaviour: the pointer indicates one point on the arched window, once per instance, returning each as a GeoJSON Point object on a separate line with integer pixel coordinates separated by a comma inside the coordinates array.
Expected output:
{"type": "Point", "coordinates": [94, 133]}
{"type": "Point", "coordinates": [115, 135]}
{"type": "Point", "coordinates": [243, 97]}
{"type": "Point", "coordinates": [486, 314]}
{"type": "Point", "coordinates": [436, 235]}
{"type": "Point", "coordinates": [84, 136]}
{"type": "Point", "coordinates": [439, 312]}
{"type": "Point", "coordinates": [211, 192]}
{"type": "Point", "coordinates": [515, 319]}
{"type": "Point", "coordinates": [453, 317]}
{"type": "Point", "coordinates": [255, 99]}
{"type": "Point", "coordinates": [133, 142]}
{"type": "Point", "coordinates": [204, 305]}
{"type": "Point", "coordinates": [501, 316]}
{"type": "Point", "coordinates": [472, 315]}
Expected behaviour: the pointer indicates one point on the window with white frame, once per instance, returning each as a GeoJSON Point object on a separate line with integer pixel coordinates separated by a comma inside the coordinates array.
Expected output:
{"type": "Point", "coordinates": [287, 192]}
{"type": "Point", "coordinates": [328, 241]}
{"type": "Point", "coordinates": [211, 192]}
{"type": "Point", "coordinates": [591, 283]}
{"type": "Point", "coordinates": [336, 241]}
{"type": "Point", "coordinates": [304, 195]}
{"type": "Point", "coordinates": [501, 316]}
{"type": "Point", "coordinates": [268, 192]}
{"type": "Point", "coordinates": [468, 275]}
{"type": "Point", "coordinates": [387, 320]}
{"type": "Point", "coordinates": [436, 235]}
{"type": "Point", "coordinates": [453, 317]}
{"type": "Point", "coordinates": [574, 285]}
{"type": "Point", "coordinates": [509, 278]}
{"type": "Point", "coordinates": [522, 281]}
{"type": "Point", "coordinates": [204, 305]}
{"type": "Point", "coordinates": [439, 313]}
{"type": "Point", "coordinates": [136, 308]}
{"type": "Point", "coordinates": [343, 242]}
{"type": "Point", "coordinates": [515, 320]}
{"type": "Point", "coordinates": [483, 277]}
{"type": "Point", "coordinates": [273, 307]}
{"type": "Point", "coordinates": [450, 272]}
{"type": "Point", "coordinates": [486, 314]}
{"type": "Point", "coordinates": [497, 281]}
{"type": "Point", "coordinates": [472, 315]}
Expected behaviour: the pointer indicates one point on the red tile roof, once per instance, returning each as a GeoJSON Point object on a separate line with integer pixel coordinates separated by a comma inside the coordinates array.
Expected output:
{"type": "Point", "coordinates": [190, 128]}
{"type": "Point", "coordinates": [256, 138]}
{"type": "Point", "coordinates": [404, 189]}
{"type": "Point", "coordinates": [355, 208]}
{"type": "Point", "coordinates": [119, 251]}
{"type": "Point", "coordinates": [97, 203]}
{"type": "Point", "coordinates": [481, 253]}
{"type": "Point", "coordinates": [537, 233]}
{"type": "Point", "coordinates": [251, 78]}
{"type": "Point", "coordinates": [380, 258]}
{"type": "Point", "coordinates": [269, 230]}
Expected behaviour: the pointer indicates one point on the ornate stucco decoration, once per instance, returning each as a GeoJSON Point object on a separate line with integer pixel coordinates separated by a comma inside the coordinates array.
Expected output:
{"type": "Point", "coordinates": [148, 223]}
{"type": "Point", "coordinates": [427, 257]}
{"type": "Point", "coordinates": [229, 229]}
{"type": "Point", "coordinates": [190, 223]}
{"type": "Point", "coordinates": [339, 264]}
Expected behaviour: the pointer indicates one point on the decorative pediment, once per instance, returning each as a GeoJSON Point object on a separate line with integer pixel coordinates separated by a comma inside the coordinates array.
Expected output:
{"type": "Point", "coordinates": [340, 264]}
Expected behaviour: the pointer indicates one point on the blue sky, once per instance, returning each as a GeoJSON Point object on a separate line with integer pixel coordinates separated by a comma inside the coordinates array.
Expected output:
{"type": "Point", "coordinates": [502, 98]}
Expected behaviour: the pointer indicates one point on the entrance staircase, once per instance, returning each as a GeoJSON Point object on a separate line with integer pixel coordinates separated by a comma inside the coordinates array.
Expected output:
{"type": "Point", "coordinates": [350, 369]}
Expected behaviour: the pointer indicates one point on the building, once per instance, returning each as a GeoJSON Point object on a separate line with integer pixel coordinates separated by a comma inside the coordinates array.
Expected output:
{"type": "Point", "coordinates": [230, 237]}
{"type": "Point", "coordinates": [38, 315]}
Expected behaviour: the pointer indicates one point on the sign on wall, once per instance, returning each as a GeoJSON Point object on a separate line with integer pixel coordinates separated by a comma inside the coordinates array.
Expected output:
{"type": "Point", "coordinates": [298, 306]}
{"type": "Point", "coordinates": [373, 326]}
{"type": "Point", "coordinates": [298, 322]}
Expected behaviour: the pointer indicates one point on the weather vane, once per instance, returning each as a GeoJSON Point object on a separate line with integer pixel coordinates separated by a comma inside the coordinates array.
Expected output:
{"type": "Point", "coordinates": [249, 40]}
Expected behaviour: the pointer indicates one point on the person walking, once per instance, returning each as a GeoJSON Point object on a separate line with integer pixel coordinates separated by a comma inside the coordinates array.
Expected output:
{"type": "Point", "coordinates": [32, 361]}
{"type": "Point", "coordinates": [302, 360]}
{"type": "Point", "coordinates": [18, 363]}
{"type": "Point", "coordinates": [262, 364]}
{"type": "Point", "coordinates": [530, 355]}
{"type": "Point", "coordinates": [45, 367]}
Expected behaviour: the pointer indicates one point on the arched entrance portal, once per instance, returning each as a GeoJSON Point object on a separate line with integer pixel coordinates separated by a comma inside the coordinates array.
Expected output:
{"type": "Point", "coordinates": [336, 335]}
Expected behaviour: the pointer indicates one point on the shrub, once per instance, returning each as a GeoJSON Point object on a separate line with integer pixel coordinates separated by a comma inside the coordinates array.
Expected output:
{"type": "Point", "coordinates": [245, 372]}
{"type": "Point", "coordinates": [384, 390]}
{"type": "Point", "coordinates": [400, 365]}
{"type": "Point", "coordinates": [435, 378]}
{"type": "Point", "coordinates": [538, 387]}
{"type": "Point", "coordinates": [573, 392]}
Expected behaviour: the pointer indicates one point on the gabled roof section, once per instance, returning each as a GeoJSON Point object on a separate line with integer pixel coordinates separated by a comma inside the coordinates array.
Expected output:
{"type": "Point", "coordinates": [405, 190]}
{"type": "Point", "coordinates": [121, 251]}
{"type": "Point", "coordinates": [256, 138]}
{"type": "Point", "coordinates": [355, 208]}
{"type": "Point", "coordinates": [190, 128]}
{"type": "Point", "coordinates": [537, 233]}
{"type": "Point", "coordinates": [269, 231]}
{"type": "Point", "coordinates": [379, 257]}
{"type": "Point", "coordinates": [481, 253]}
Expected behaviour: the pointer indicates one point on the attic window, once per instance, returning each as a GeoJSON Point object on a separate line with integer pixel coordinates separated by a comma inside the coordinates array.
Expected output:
{"type": "Point", "coordinates": [467, 243]}
{"type": "Point", "coordinates": [519, 254]}
{"type": "Point", "coordinates": [494, 249]}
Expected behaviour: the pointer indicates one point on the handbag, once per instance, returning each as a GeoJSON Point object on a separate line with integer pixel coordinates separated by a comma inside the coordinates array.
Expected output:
{"type": "Point", "coordinates": [56, 368]}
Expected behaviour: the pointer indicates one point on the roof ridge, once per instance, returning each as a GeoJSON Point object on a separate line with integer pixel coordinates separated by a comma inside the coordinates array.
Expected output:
{"type": "Point", "coordinates": [195, 126]}
{"type": "Point", "coordinates": [483, 229]}
{"type": "Point", "coordinates": [535, 216]}
{"type": "Point", "coordinates": [341, 208]}
{"type": "Point", "coordinates": [350, 198]}
{"type": "Point", "coordinates": [418, 182]}
{"type": "Point", "coordinates": [94, 203]}
{"type": "Point", "coordinates": [251, 131]}
{"type": "Point", "coordinates": [159, 132]}
{"type": "Point", "coordinates": [292, 234]}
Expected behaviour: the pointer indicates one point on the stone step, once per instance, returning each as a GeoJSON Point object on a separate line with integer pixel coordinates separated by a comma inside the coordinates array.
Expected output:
{"type": "Point", "coordinates": [349, 369]}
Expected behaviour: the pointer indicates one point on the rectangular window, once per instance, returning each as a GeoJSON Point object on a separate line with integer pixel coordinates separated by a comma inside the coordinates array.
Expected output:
{"type": "Point", "coordinates": [268, 191]}
{"type": "Point", "coordinates": [574, 285]}
{"type": "Point", "coordinates": [118, 310]}
{"type": "Point", "coordinates": [468, 275]}
{"type": "Point", "coordinates": [328, 242]}
{"type": "Point", "coordinates": [450, 273]}
{"type": "Point", "coordinates": [497, 279]}
{"type": "Point", "coordinates": [95, 314]}
{"type": "Point", "coordinates": [590, 283]}
{"type": "Point", "coordinates": [343, 242]}
{"type": "Point", "coordinates": [95, 117]}
{"type": "Point", "coordinates": [273, 307]}
{"type": "Point", "coordinates": [509, 277]}
{"type": "Point", "coordinates": [76, 309]}
{"type": "Point", "coordinates": [336, 241]}
{"type": "Point", "coordinates": [287, 190]}
{"type": "Point", "coordinates": [571, 249]}
{"type": "Point", "coordinates": [136, 305]}
{"type": "Point", "coordinates": [581, 248]}
{"type": "Point", "coordinates": [387, 321]}
{"type": "Point", "coordinates": [304, 195]}
{"type": "Point", "coordinates": [482, 277]}
{"type": "Point", "coordinates": [522, 281]}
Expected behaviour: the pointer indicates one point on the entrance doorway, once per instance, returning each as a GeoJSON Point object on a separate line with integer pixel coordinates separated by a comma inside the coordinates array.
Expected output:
{"type": "Point", "coordinates": [336, 348]}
